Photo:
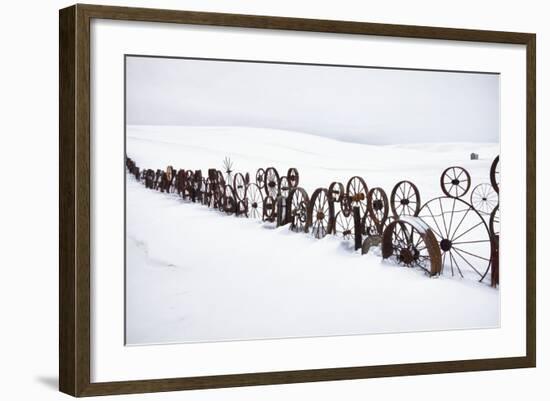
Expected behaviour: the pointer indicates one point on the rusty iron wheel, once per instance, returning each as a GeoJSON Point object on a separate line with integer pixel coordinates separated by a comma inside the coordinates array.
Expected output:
{"type": "Point", "coordinates": [378, 206]}
{"type": "Point", "coordinates": [344, 226]}
{"type": "Point", "coordinates": [357, 191]}
{"type": "Point", "coordinates": [463, 235]}
{"type": "Point", "coordinates": [269, 207]}
{"type": "Point", "coordinates": [255, 201]}
{"type": "Point", "coordinates": [336, 191]}
{"type": "Point", "coordinates": [494, 174]}
{"type": "Point", "coordinates": [455, 181]}
{"type": "Point", "coordinates": [320, 213]}
{"type": "Point", "coordinates": [405, 199]}
{"type": "Point", "coordinates": [284, 186]}
{"type": "Point", "coordinates": [410, 242]}
{"type": "Point", "coordinates": [297, 204]}
{"type": "Point", "coordinates": [271, 182]}
{"type": "Point", "coordinates": [239, 186]}
{"type": "Point", "coordinates": [293, 177]}
{"type": "Point", "coordinates": [260, 176]}
{"type": "Point", "coordinates": [345, 204]}
{"type": "Point", "coordinates": [483, 198]}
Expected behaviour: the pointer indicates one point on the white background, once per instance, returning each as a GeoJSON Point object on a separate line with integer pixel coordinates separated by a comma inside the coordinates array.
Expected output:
{"type": "Point", "coordinates": [28, 291]}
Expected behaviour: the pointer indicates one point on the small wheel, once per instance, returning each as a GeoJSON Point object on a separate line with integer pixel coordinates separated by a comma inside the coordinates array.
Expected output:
{"type": "Point", "coordinates": [378, 206]}
{"type": "Point", "coordinates": [269, 209]}
{"type": "Point", "coordinates": [271, 182]}
{"type": "Point", "coordinates": [239, 185]}
{"type": "Point", "coordinates": [293, 177]}
{"type": "Point", "coordinates": [494, 174]}
{"type": "Point", "coordinates": [260, 175]}
{"type": "Point", "coordinates": [336, 191]}
{"type": "Point", "coordinates": [344, 226]}
{"type": "Point", "coordinates": [357, 191]}
{"type": "Point", "coordinates": [320, 213]}
{"type": "Point", "coordinates": [284, 186]}
{"type": "Point", "coordinates": [255, 201]}
{"type": "Point", "coordinates": [455, 182]}
{"type": "Point", "coordinates": [494, 222]}
{"type": "Point", "coordinates": [298, 201]}
{"type": "Point", "coordinates": [411, 243]}
{"type": "Point", "coordinates": [405, 199]}
{"type": "Point", "coordinates": [483, 198]}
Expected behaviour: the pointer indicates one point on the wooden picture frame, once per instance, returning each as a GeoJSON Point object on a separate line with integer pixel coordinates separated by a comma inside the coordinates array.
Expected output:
{"type": "Point", "coordinates": [75, 208]}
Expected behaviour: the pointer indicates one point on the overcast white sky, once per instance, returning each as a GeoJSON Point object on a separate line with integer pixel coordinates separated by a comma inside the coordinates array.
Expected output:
{"type": "Point", "coordinates": [377, 106]}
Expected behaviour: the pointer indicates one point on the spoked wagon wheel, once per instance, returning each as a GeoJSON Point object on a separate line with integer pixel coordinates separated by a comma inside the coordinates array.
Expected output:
{"type": "Point", "coordinates": [378, 206]}
{"type": "Point", "coordinates": [344, 226]}
{"type": "Point", "coordinates": [228, 200]}
{"type": "Point", "coordinates": [255, 200]}
{"type": "Point", "coordinates": [357, 191]}
{"type": "Point", "coordinates": [410, 242]}
{"type": "Point", "coordinates": [293, 177]}
{"type": "Point", "coordinates": [455, 181]}
{"type": "Point", "coordinates": [405, 199]}
{"type": "Point", "coordinates": [494, 222]}
{"type": "Point", "coordinates": [271, 182]}
{"type": "Point", "coordinates": [284, 186]}
{"type": "Point", "coordinates": [483, 198]}
{"type": "Point", "coordinates": [298, 201]}
{"type": "Point", "coordinates": [269, 209]}
{"type": "Point", "coordinates": [260, 176]}
{"type": "Point", "coordinates": [495, 174]}
{"type": "Point", "coordinates": [320, 213]}
{"type": "Point", "coordinates": [336, 191]}
{"type": "Point", "coordinates": [462, 233]}
{"type": "Point", "coordinates": [239, 186]}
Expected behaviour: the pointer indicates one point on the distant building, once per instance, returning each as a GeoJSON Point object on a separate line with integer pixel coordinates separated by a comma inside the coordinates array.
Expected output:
{"type": "Point", "coordinates": [474, 156]}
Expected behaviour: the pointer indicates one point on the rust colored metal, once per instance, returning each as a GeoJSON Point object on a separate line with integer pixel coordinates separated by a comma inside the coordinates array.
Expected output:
{"type": "Point", "coordinates": [260, 177]}
{"type": "Point", "coordinates": [405, 199]}
{"type": "Point", "coordinates": [239, 186]}
{"type": "Point", "coordinates": [378, 208]}
{"type": "Point", "coordinates": [344, 226]}
{"type": "Point", "coordinates": [320, 213]}
{"type": "Point", "coordinates": [411, 243]}
{"type": "Point", "coordinates": [255, 201]}
{"type": "Point", "coordinates": [357, 190]}
{"type": "Point", "coordinates": [293, 177]}
{"type": "Point", "coordinates": [455, 181]}
{"type": "Point", "coordinates": [494, 174]}
{"type": "Point", "coordinates": [298, 202]}
{"type": "Point", "coordinates": [357, 229]}
{"type": "Point", "coordinates": [336, 191]}
{"type": "Point", "coordinates": [271, 182]}
{"type": "Point", "coordinates": [369, 242]}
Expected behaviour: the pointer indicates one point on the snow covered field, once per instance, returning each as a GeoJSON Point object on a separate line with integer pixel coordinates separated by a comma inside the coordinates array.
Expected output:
{"type": "Point", "coordinates": [195, 274]}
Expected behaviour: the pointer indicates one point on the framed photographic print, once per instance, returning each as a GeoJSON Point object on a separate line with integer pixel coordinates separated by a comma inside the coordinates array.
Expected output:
{"type": "Point", "coordinates": [250, 200]}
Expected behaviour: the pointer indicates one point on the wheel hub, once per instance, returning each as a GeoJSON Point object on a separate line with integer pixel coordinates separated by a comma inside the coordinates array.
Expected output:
{"type": "Point", "coordinates": [254, 205]}
{"type": "Point", "coordinates": [377, 204]}
{"type": "Point", "coordinates": [455, 181]}
{"type": "Point", "coordinates": [271, 184]}
{"type": "Point", "coordinates": [445, 245]}
{"type": "Point", "coordinates": [320, 216]}
{"type": "Point", "coordinates": [406, 256]}
{"type": "Point", "coordinates": [404, 201]}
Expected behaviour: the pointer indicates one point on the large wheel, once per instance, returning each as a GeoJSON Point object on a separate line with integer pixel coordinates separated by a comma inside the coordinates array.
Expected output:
{"type": "Point", "coordinates": [405, 199]}
{"type": "Point", "coordinates": [411, 243]}
{"type": "Point", "coordinates": [293, 177]}
{"type": "Point", "coordinates": [320, 213]}
{"type": "Point", "coordinates": [255, 201]}
{"type": "Point", "coordinates": [271, 182]}
{"type": "Point", "coordinates": [494, 174]}
{"type": "Point", "coordinates": [239, 186]}
{"type": "Point", "coordinates": [462, 233]}
{"type": "Point", "coordinates": [455, 181]}
{"type": "Point", "coordinates": [357, 191]}
{"type": "Point", "coordinates": [483, 198]}
{"type": "Point", "coordinates": [298, 201]}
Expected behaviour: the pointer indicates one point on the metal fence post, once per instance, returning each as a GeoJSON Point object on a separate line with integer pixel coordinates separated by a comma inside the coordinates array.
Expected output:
{"type": "Point", "coordinates": [357, 227]}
